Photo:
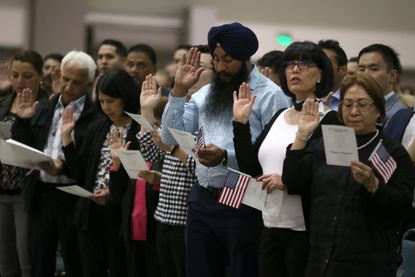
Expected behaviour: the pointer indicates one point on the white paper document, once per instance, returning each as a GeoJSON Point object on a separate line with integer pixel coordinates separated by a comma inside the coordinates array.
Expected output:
{"type": "Point", "coordinates": [185, 140]}
{"type": "Point", "coordinates": [141, 120]}
{"type": "Point", "coordinates": [76, 190]}
{"type": "Point", "coordinates": [133, 162]}
{"type": "Point", "coordinates": [5, 130]}
{"type": "Point", "coordinates": [18, 154]}
{"type": "Point", "coordinates": [257, 198]}
{"type": "Point", "coordinates": [340, 145]}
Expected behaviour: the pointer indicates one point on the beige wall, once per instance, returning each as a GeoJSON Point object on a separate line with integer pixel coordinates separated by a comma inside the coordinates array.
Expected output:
{"type": "Point", "coordinates": [372, 14]}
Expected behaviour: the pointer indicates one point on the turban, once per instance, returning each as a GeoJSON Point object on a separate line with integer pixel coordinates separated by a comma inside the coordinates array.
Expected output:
{"type": "Point", "coordinates": [237, 41]}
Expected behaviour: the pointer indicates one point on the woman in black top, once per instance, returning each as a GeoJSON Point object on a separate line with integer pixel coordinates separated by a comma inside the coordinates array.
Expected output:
{"type": "Point", "coordinates": [305, 73]}
{"type": "Point", "coordinates": [25, 74]}
{"type": "Point", "coordinates": [98, 219]}
{"type": "Point", "coordinates": [355, 211]}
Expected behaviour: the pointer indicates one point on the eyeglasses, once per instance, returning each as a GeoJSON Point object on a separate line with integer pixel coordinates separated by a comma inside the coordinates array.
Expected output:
{"type": "Point", "coordinates": [361, 105]}
{"type": "Point", "coordinates": [301, 65]}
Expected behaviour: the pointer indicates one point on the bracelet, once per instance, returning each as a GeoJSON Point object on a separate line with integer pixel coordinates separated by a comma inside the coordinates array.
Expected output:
{"type": "Point", "coordinates": [174, 149]}
{"type": "Point", "coordinates": [224, 160]}
{"type": "Point", "coordinates": [303, 139]}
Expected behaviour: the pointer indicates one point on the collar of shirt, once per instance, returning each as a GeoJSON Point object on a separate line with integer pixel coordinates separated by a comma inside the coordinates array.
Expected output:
{"type": "Point", "coordinates": [389, 95]}
{"type": "Point", "coordinates": [77, 105]}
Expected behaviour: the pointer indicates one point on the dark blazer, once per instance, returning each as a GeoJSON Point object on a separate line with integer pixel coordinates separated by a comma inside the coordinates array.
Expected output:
{"type": "Point", "coordinates": [247, 153]}
{"type": "Point", "coordinates": [34, 132]}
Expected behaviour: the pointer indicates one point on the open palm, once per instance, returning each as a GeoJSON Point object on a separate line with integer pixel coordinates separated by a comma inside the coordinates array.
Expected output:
{"type": "Point", "coordinates": [149, 96]}
{"type": "Point", "coordinates": [242, 104]}
{"type": "Point", "coordinates": [25, 103]}
{"type": "Point", "coordinates": [188, 72]}
{"type": "Point", "coordinates": [309, 118]}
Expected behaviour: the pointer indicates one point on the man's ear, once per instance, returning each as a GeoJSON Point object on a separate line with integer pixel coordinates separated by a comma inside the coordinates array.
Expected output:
{"type": "Point", "coordinates": [343, 70]}
{"type": "Point", "coordinates": [394, 76]}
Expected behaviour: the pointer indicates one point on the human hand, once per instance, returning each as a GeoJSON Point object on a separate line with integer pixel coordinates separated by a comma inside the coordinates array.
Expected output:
{"type": "Point", "coordinates": [363, 174]}
{"type": "Point", "coordinates": [25, 103]}
{"type": "Point", "coordinates": [309, 118]}
{"type": "Point", "coordinates": [53, 168]}
{"type": "Point", "coordinates": [67, 125]}
{"type": "Point", "coordinates": [116, 144]}
{"type": "Point", "coordinates": [150, 176]}
{"type": "Point", "coordinates": [149, 96]}
{"type": "Point", "coordinates": [100, 196]}
{"type": "Point", "coordinates": [212, 155]}
{"type": "Point", "coordinates": [271, 182]}
{"type": "Point", "coordinates": [5, 83]}
{"type": "Point", "coordinates": [267, 72]}
{"type": "Point", "coordinates": [242, 104]}
{"type": "Point", "coordinates": [187, 73]}
{"type": "Point", "coordinates": [159, 143]}
{"type": "Point", "coordinates": [56, 81]}
{"type": "Point", "coordinates": [326, 99]}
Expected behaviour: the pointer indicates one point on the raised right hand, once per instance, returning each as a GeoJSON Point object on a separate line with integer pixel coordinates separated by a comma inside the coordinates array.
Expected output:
{"type": "Point", "coordinates": [117, 143]}
{"type": "Point", "coordinates": [68, 123]}
{"type": "Point", "coordinates": [242, 104]}
{"type": "Point", "coordinates": [25, 103]}
{"type": "Point", "coordinates": [309, 118]}
{"type": "Point", "coordinates": [187, 73]}
{"type": "Point", "coordinates": [149, 96]}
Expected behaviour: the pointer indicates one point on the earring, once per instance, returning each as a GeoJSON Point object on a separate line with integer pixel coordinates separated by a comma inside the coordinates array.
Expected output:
{"type": "Point", "coordinates": [318, 82]}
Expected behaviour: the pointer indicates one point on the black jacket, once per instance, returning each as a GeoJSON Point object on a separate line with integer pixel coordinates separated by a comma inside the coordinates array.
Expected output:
{"type": "Point", "coordinates": [34, 132]}
{"type": "Point", "coordinates": [353, 233]}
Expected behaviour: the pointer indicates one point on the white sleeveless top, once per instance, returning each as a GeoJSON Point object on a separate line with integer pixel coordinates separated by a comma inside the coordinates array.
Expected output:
{"type": "Point", "coordinates": [286, 210]}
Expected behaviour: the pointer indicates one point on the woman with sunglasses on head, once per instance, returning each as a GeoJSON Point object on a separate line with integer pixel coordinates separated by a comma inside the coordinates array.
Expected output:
{"type": "Point", "coordinates": [356, 211]}
{"type": "Point", "coordinates": [25, 74]}
{"type": "Point", "coordinates": [305, 73]}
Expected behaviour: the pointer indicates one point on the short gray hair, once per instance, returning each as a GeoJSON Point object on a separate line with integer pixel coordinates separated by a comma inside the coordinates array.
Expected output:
{"type": "Point", "coordinates": [81, 60]}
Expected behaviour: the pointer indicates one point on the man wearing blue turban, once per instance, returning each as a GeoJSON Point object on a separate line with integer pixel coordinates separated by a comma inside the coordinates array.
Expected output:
{"type": "Point", "coordinates": [219, 236]}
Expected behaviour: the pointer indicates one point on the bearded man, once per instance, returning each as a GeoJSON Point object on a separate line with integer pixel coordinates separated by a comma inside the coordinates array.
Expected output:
{"type": "Point", "coordinates": [219, 237]}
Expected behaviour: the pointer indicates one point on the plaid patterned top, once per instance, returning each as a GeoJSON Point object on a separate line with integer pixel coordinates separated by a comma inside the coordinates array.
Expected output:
{"type": "Point", "coordinates": [175, 184]}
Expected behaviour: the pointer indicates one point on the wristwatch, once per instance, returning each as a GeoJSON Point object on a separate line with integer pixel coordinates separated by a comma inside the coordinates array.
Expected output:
{"type": "Point", "coordinates": [224, 161]}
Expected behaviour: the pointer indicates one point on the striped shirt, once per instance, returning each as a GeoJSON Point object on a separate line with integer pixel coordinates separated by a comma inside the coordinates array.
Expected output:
{"type": "Point", "coordinates": [176, 182]}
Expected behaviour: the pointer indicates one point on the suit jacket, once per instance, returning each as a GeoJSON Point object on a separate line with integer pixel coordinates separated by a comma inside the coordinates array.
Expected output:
{"type": "Point", "coordinates": [34, 132]}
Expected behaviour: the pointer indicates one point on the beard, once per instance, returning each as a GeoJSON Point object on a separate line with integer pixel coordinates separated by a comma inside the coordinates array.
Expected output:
{"type": "Point", "coordinates": [219, 102]}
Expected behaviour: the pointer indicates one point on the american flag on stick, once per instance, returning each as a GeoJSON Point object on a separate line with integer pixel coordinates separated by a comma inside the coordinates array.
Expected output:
{"type": "Point", "coordinates": [382, 162]}
{"type": "Point", "coordinates": [234, 188]}
{"type": "Point", "coordinates": [200, 141]}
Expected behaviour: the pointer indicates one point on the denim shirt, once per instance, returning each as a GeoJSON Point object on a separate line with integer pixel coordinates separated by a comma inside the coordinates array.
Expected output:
{"type": "Point", "coordinates": [189, 116]}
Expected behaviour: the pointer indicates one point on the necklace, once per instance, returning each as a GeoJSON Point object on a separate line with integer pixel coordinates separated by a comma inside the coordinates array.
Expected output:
{"type": "Point", "coordinates": [367, 143]}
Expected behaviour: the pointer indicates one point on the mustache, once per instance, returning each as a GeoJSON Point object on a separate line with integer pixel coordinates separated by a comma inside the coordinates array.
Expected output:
{"type": "Point", "coordinates": [224, 74]}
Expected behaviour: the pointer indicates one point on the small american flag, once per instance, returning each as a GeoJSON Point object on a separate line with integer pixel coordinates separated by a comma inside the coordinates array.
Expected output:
{"type": "Point", "coordinates": [234, 188]}
{"type": "Point", "coordinates": [382, 162]}
{"type": "Point", "coordinates": [200, 140]}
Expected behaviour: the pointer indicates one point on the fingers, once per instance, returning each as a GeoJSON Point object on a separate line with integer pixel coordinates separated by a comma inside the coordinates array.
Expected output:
{"type": "Point", "coordinates": [127, 145]}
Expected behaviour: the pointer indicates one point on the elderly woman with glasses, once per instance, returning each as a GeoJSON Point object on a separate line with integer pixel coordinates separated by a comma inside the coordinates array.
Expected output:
{"type": "Point", "coordinates": [305, 73]}
{"type": "Point", "coordinates": [356, 211]}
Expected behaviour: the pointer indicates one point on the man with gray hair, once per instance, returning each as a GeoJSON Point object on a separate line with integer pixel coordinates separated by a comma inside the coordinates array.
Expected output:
{"type": "Point", "coordinates": [38, 124]}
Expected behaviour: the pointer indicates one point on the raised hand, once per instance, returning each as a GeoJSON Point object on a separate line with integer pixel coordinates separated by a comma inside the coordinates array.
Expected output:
{"type": "Point", "coordinates": [116, 144]}
{"type": "Point", "coordinates": [5, 83]}
{"type": "Point", "coordinates": [149, 96]}
{"type": "Point", "coordinates": [309, 118]}
{"type": "Point", "coordinates": [267, 72]}
{"type": "Point", "coordinates": [25, 103]}
{"type": "Point", "coordinates": [187, 73]}
{"type": "Point", "coordinates": [271, 182]}
{"type": "Point", "coordinates": [242, 104]}
{"type": "Point", "coordinates": [67, 125]}
{"type": "Point", "coordinates": [56, 81]}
